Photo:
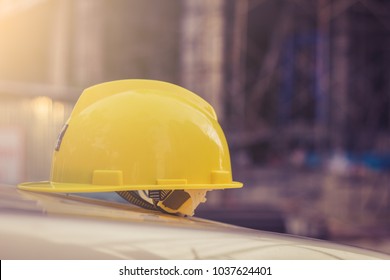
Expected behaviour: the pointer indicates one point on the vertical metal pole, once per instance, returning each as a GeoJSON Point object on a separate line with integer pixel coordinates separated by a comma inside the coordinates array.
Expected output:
{"type": "Point", "coordinates": [322, 65]}
{"type": "Point", "coordinates": [237, 97]}
{"type": "Point", "coordinates": [339, 109]}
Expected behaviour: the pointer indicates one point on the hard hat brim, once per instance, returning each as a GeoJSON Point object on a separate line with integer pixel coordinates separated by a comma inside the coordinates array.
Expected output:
{"type": "Point", "coordinates": [54, 187]}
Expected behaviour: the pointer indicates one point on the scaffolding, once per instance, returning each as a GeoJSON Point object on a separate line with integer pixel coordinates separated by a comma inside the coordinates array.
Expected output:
{"type": "Point", "coordinates": [314, 74]}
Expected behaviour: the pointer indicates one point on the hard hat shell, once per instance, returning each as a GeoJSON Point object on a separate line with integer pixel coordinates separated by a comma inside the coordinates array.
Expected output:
{"type": "Point", "coordinates": [139, 135]}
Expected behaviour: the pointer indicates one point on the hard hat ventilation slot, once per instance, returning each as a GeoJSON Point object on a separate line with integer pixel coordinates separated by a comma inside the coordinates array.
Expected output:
{"type": "Point", "coordinates": [60, 136]}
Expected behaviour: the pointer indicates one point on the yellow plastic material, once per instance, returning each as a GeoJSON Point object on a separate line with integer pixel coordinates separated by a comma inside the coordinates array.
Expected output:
{"type": "Point", "coordinates": [139, 135]}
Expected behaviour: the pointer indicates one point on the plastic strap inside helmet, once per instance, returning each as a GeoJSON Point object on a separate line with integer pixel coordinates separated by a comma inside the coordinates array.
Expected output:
{"type": "Point", "coordinates": [170, 200]}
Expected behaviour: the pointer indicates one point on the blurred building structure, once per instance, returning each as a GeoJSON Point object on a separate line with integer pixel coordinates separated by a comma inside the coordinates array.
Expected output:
{"type": "Point", "coordinates": [52, 49]}
{"type": "Point", "coordinates": [307, 101]}
{"type": "Point", "coordinates": [299, 86]}
{"type": "Point", "coordinates": [313, 72]}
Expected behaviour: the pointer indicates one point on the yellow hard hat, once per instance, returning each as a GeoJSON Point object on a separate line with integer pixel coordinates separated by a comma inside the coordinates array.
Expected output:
{"type": "Point", "coordinates": [140, 135]}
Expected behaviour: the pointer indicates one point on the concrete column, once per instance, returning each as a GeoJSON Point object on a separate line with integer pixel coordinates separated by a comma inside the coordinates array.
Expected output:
{"type": "Point", "coordinates": [202, 49]}
{"type": "Point", "coordinates": [89, 17]}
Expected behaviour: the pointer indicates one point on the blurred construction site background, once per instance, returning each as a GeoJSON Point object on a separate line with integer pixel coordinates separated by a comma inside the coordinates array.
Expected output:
{"type": "Point", "coordinates": [301, 88]}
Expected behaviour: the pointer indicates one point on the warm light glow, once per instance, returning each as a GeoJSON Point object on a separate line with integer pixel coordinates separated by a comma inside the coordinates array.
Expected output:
{"type": "Point", "coordinates": [59, 111]}
{"type": "Point", "coordinates": [42, 106]}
